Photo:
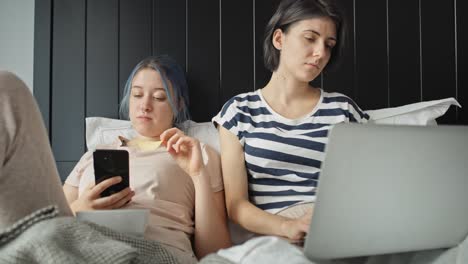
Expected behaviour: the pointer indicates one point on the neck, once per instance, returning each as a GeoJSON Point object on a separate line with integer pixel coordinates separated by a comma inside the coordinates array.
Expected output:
{"type": "Point", "coordinates": [140, 137]}
{"type": "Point", "coordinates": [286, 89]}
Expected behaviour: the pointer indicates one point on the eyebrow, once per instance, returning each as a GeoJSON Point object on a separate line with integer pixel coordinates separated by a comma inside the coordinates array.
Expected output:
{"type": "Point", "coordinates": [139, 87]}
{"type": "Point", "coordinates": [316, 32]}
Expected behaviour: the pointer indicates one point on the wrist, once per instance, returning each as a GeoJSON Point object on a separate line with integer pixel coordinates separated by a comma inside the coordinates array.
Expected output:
{"type": "Point", "coordinates": [74, 207]}
{"type": "Point", "coordinates": [201, 177]}
{"type": "Point", "coordinates": [284, 226]}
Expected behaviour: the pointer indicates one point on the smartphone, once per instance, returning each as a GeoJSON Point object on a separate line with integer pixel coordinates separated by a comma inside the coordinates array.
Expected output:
{"type": "Point", "coordinates": [109, 163]}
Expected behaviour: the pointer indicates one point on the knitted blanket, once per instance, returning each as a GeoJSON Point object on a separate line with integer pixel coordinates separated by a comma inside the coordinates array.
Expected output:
{"type": "Point", "coordinates": [42, 237]}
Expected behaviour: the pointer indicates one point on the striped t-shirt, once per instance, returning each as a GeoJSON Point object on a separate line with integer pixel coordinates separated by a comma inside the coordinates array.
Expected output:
{"type": "Point", "coordinates": [283, 156]}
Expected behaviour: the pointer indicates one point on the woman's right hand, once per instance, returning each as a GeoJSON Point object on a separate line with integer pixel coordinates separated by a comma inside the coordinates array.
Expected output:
{"type": "Point", "coordinates": [91, 198]}
{"type": "Point", "coordinates": [296, 229]}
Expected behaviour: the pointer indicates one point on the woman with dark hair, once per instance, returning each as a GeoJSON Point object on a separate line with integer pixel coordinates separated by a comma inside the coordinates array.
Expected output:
{"type": "Point", "coordinates": [180, 183]}
{"type": "Point", "coordinates": [273, 139]}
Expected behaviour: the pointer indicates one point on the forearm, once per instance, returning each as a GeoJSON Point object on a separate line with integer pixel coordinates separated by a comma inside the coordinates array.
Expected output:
{"type": "Point", "coordinates": [211, 232]}
{"type": "Point", "coordinates": [240, 209]}
{"type": "Point", "coordinates": [257, 220]}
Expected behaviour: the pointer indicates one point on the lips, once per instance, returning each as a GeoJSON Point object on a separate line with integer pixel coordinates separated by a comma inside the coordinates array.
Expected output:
{"type": "Point", "coordinates": [144, 118]}
{"type": "Point", "coordinates": [313, 65]}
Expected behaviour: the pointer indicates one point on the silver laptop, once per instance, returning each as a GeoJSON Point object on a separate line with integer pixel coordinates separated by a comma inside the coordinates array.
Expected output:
{"type": "Point", "coordinates": [387, 189]}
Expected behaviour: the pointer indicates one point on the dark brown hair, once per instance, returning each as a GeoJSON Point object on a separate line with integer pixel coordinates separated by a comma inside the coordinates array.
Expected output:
{"type": "Point", "coordinates": [292, 11]}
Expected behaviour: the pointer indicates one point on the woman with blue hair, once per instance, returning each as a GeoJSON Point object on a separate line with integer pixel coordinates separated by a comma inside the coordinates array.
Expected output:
{"type": "Point", "coordinates": [180, 183]}
{"type": "Point", "coordinates": [174, 74]}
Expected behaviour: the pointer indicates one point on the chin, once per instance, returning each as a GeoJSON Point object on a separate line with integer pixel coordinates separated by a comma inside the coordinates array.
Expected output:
{"type": "Point", "coordinates": [307, 77]}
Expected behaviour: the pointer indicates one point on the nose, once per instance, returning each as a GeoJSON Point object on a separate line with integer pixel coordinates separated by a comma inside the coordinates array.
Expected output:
{"type": "Point", "coordinates": [319, 50]}
{"type": "Point", "coordinates": [146, 105]}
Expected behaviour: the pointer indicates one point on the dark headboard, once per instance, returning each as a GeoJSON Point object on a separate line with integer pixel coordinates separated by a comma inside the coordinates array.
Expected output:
{"type": "Point", "coordinates": [399, 52]}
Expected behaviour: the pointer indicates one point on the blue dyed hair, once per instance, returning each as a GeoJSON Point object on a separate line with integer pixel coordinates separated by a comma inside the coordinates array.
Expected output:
{"type": "Point", "coordinates": [170, 72]}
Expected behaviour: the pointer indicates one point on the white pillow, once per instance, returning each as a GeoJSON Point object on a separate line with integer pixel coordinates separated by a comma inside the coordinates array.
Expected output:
{"type": "Point", "coordinates": [104, 131]}
{"type": "Point", "coordinates": [423, 113]}
{"type": "Point", "coordinates": [101, 130]}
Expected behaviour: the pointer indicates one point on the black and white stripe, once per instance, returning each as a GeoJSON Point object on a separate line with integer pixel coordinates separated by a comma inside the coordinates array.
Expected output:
{"type": "Point", "coordinates": [283, 156]}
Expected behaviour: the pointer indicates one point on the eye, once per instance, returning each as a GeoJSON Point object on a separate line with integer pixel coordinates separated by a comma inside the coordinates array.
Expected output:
{"type": "Point", "coordinates": [330, 45]}
{"type": "Point", "coordinates": [136, 92]}
{"type": "Point", "coordinates": [310, 38]}
{"type": "Point", "coordinates": [159, 97]}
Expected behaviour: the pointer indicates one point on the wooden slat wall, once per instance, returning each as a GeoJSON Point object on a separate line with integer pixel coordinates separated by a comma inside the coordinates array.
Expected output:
{"type": "Point", "coordinates": [404, 52]}
{"type": "Point", "coordinates": [169, 29]}
{"type": "Point", "coordinates": [263, 10]}
{"type": "Point", "coordinates": [42, 50]}
{"type": "Point", "coordinates": [371, 54]}
{"type": "Point", "coordinates": [462, 60]}
{"type": "Point", "coordinates": [102, 58]}
{"type": "Point", "coordinates": [135, 36]}
{"type": "Point", "coordinates": [342, 78]}
{"type": "Point", "coordinates": [203, 58]}
{"type": "Point", "coordinates": [68, 79]}
{"type": "Point", "coordinates": [438, 53]}
{"type": "Point", "coordinates": [399, 52]}
{"type": "Point", "coordinates": [237, 53]}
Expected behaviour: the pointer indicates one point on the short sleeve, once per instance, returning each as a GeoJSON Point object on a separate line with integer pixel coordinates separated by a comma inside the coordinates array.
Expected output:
{"type": "Point", "coordinates": [212, 162]}
{"type": "Point", "coordinates": [356, 114]}
{"type": "Point", "coordinates": [76, 174]}
{"type": "Point", "coordinates": [228, 118]}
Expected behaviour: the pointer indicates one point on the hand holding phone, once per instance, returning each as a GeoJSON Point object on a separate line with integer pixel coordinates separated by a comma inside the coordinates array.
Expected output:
{"type": "Point", "coordinates": [109, 163]}
{"type": "Point", "coordinates": [91, 198]}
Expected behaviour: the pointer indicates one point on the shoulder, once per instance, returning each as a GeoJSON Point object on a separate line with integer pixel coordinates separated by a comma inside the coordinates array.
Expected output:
{"type": "Point", "coordinates": [336, 98]}
{"type": "Point", "coordinates": [243, 99]}
{"type": "Point", "coordinates": [343, 103]}
{"type": "Point", "coordinates": [241, 106]}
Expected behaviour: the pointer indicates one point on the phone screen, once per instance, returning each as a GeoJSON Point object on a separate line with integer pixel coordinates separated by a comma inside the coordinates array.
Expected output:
{"type": "Point", "coordinates": [109, 163]}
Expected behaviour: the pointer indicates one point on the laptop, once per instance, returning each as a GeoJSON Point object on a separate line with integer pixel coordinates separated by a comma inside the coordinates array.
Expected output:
{"type": "Point", "coordinates": [388, 189]}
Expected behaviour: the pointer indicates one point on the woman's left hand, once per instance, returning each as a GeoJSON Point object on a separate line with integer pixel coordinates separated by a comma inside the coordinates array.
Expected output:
{"type": "Point", "coordinates": [184, 149]}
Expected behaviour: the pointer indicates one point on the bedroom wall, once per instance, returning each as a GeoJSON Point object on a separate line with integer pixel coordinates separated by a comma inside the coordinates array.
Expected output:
{"type": "Point", "coordinates": [399, 52]}
{"type": "Point", "coordinates": [17, 38]}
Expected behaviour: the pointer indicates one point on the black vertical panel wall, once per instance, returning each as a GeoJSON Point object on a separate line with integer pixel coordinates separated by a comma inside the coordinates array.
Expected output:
{"type": "Point", "coordinates": [135, 35]}
{"type": "Point", "coordinates": [341, 78]}
{"type": "Point", "coordinates": [263, 10]}
{"type": "Point", "coordinates": [237, 60]}
{"type": "Point", "coordinates": [404, 52]}
{"type": "Point", "coordinates": [398, 52]}
{"type": "Point", "coordinates": [371, 54]}
{"type": "Point", "coordinates": [462, 60]}
{"type": "Point", "coordinates": [68, 81]}
{"type": "Point", "coordinates": [203, 66]}
{"type": "Point", "coordinates": [169, 29]}
{"type": "Point", "coordinates": [102, 64]}
{"type": "Point", "coordinates": [42, 44]}
{"type": "Point", "coordinates": [438, 53]}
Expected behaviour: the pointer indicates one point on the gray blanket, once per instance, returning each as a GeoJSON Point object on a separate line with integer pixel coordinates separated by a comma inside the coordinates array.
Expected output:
{"type": "Point", "coordinates": [42, 237]}
{"type": "Point", "coordinates": [270, 250]}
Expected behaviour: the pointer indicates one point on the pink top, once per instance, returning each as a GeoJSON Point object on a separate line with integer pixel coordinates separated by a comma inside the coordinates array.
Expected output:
{"type": "Point", "coordinates": [161, 186]}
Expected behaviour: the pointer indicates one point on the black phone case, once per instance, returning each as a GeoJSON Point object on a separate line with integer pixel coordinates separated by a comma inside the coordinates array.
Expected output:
{"type": "Point", "coordinates": [109, 163]}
